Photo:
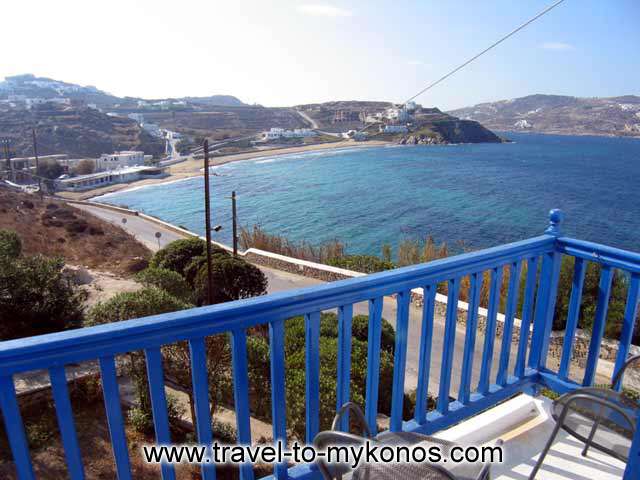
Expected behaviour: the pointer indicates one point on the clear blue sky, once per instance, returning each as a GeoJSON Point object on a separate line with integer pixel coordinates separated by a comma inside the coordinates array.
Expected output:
{"type": "Point", "coordinates": [290, 52]}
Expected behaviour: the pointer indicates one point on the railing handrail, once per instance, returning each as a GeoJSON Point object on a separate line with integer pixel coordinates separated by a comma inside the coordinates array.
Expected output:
{"type": "Point", "coordinates": [615, 257]}
{"type": "Point", "coordinates": [71, 346]}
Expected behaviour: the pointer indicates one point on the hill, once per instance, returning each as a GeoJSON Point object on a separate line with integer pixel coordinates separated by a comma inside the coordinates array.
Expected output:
{"type": "Point", "coordinates": [30, 86]}
{"type": "Point", "coordinates": [619, 116]}
{"type": "Point", "coordinates": [52, 228]}
{"type": "Point", "coordinates": [425, 125]}
{"type": "Point", "coordinates": [74, 130]}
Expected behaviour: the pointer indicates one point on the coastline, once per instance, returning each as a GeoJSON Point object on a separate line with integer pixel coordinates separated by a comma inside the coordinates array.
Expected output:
{"type": "Point", "coordinates": [193, 168]}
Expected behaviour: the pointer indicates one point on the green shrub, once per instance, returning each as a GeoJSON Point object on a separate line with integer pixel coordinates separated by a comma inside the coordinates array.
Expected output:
{"type": "Point", "coordinates": [127, 305]}
{"type": "Point", "coordinates": [179, 254]}
{"type": "Point", "coordinates": [168, 280]}
{"type": "Point", "coordinates": [232, 279]}
{"type": "Point", "coordinates": [260, 377]}
{"type": "Point", "coordinates": [36, 297]}
{"type": "Point", "coordinates": [50, 169]}
{"type": "Point", "coordinates": [10, 244]}
{"type": "Point", "coordinates": [141, 419]}
{"type": "Point", "coordinates": [590, 292]}
{"type": "Point", "coordinates": [361, 263]}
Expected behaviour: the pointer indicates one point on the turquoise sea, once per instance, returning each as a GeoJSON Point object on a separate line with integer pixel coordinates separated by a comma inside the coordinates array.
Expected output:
{"type": "Point", "coordinates": [481, 194]}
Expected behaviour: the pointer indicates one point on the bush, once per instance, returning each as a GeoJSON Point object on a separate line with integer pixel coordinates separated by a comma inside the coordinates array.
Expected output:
{"type": "Point", "coordinates": [260, 377]}
{"type": "Point", "coordinates": [50, 169]}
{"type": "Point", "coordinates": [141, 418]}
{"type": "Point", "coordinates": [361, 263]}
{"type": "Point", "coordinates": [127, 305]}
{"type": "Point", "coordinates": [167, 280]}
{"type": "Point", "coordinates": [10, 244]}
{"type": "Point", "coordinates": [179, 254]}
{"type": "Point", "coordinates": [85, 167]}
{"type": "Point", "coordinates": [36, 297]}
{"type": "Point", "coordinates": [233, 279]}
{"type": "Point", "coordinates": [590, 291]}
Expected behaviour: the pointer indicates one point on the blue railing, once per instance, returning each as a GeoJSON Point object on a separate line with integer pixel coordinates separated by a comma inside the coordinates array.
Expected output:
{"type": "Point", "coordinates": [542, 256]}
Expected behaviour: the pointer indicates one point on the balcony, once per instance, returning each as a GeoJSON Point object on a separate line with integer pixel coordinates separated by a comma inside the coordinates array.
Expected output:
{"type": "Point", "coordinates": [473, 382]}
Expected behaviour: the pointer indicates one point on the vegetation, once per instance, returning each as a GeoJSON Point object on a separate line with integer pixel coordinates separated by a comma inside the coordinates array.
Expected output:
{"type": "Point", "coordinates": [167, 280]}
{"type": "Point", "coordinates": [50, 169]}
{"type": "Point", "coordinates": [590, 290]}
{"type": "Point", "coordinates": [85, 167]}
{"type": "Point", "coordinates": [259, 373]}
{"type": "Point", "coordinates": [257, 237]}
{"type": "Point", "coordinates": [127, 305]}
{"type": "Point", "coordinates": [232, 279]}
{"type": "Point", "coordinates": [414, 251]}
{"type": "Point", "coordinates": [36, 297]}
{"type": "Point", "coordinates": [178, 255]}
{"type": "Point", "coordinates": [10, 244]}
{"type": "Point", "coordinates": [361, 263]}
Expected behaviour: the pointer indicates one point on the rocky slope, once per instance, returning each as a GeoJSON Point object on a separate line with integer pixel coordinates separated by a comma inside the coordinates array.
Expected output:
{"type": "Point", "coordinates": [74, 130]}
{"type": "Point", "coordinates": [558, 114]}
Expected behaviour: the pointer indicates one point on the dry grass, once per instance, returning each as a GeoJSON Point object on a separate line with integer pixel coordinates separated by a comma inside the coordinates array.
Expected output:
{"type": "Point", "coordinates": [52, 228]}
{"type": "Point", "coordinates": [256, 237]}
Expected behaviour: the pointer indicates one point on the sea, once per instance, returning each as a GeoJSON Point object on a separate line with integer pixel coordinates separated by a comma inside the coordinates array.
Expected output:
{"type": "Point", "coordinates": [470, 196]}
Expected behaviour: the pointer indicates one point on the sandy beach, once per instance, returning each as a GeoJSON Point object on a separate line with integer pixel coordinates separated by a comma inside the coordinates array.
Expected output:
{"type": "Point", "coordinates": [193, 168]}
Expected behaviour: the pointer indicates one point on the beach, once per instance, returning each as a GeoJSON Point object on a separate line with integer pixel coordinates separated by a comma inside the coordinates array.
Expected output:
{"type": "Point", "coordinates": [193, 167]}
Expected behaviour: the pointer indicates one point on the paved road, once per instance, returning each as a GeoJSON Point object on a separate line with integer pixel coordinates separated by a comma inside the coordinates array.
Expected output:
{"type": "Point", "coordinates": [144, 231]}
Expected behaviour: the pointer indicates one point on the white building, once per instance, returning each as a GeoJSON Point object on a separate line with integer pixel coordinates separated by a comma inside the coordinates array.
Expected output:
{"type": "Point", "coordinates": [394, 129]}
{"type": "Point", "coordinates": [276, 133]}
{"type": "Point", "coordinates": [113, 161]}
{"type": "Point", "coordinates": [100, 179]}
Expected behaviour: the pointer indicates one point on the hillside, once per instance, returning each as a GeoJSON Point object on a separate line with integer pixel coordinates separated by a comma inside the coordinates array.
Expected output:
{"type": "Point", "coordinates": [53, 228]}
{"type": "Point", "coordinates": [426, 125]}
{"type": "Point", "coordinates": [66, 124]}
{"type": "Point", "coordinates": [74, 130]}
{"type": "Point", "coordinates": [558, 114]}
{"type": "Point", "coordinates": [221, 122]}
{"type": "Point", "coordinates": [29, 85]}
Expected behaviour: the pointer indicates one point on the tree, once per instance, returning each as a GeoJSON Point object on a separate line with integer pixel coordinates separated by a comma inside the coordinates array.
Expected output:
{"type": "Point", "coordinates": [49, 169]}
{"type": "Point", "coordinates": [233, 279]}
{"type": "Point", "coordinates": [85, 167]}
{"type": "Point", "coordinates": [128, 305]}
{"type": "Point", "coordinates": [10, 244]}
{"type": "Point", "coordinates": [178, 255]}
{"type": "Point", "coordinates": [36, 297]}
{"type": "Point", "coordinates": [260, 379]}
{"type": "Point", "coordinates": [167, 280]}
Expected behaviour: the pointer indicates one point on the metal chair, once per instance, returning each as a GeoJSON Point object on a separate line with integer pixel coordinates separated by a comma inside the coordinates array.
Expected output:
{"type": "Point", "coordinates": [388, 471]}
{"type": "Point", "coordinates": [604, 419]}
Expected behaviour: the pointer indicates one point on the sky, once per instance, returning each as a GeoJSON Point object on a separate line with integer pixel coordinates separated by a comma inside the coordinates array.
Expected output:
{"type": "Point", "coordinates": [289, 52]}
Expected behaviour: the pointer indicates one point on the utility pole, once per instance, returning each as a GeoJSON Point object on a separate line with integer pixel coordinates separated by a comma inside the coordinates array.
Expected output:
{"type": "Point", "coordinates": [235, 223]}
{"type": "Point", "coordinates": [207, 215]}
{"type": "Point", "coordinates": [35, 154]}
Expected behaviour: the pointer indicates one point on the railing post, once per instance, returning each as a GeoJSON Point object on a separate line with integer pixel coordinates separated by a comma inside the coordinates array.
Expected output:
{"type": "Point", "coordinates": [632, 470]}
{"type": "Point", "coordinates": [546, 299]}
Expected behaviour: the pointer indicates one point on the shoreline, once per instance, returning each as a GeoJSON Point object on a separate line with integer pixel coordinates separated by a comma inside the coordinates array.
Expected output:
{"type": "Point", "coordinates": [193, 168]}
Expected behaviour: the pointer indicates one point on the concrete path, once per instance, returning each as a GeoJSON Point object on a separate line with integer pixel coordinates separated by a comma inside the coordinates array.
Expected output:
{"type": "Point", "coordinates": [145, 230]}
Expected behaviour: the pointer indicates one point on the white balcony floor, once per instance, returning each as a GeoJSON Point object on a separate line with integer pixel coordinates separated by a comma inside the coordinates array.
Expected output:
{"type": "Point", "coordinates": [563, 462]}
{"type": "Point", "coordinates": [524, 425]}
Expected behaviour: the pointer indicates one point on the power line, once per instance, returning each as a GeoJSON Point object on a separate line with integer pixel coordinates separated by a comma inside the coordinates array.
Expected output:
{"type": "Point", "coordinates": [513, 32]}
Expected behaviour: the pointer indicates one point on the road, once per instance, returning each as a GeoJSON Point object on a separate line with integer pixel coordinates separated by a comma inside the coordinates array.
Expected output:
{"type": "Point", "coordinates": [308, 119]}
{"type": "Point", "coordinates": [144, 231]}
